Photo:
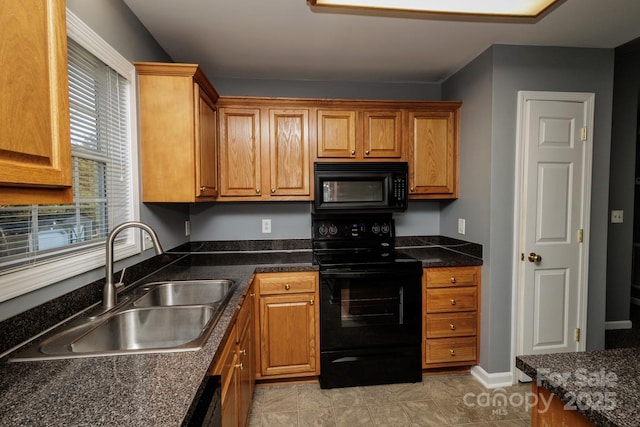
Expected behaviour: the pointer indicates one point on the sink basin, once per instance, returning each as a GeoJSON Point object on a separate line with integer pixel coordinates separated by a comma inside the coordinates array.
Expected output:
{"type": "Point", "coordinates": [146, 328]}
{"type": "Point", "coordinates": [183, 293]}
{"type": "Point", "coordinates": [159, 317]}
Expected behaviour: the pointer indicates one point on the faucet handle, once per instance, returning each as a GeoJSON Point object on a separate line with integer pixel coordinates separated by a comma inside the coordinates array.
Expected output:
{"type": "Point", "coordinates": [120, 284]}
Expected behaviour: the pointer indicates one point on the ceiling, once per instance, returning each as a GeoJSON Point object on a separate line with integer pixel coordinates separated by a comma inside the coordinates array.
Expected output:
{"type": "Point", "coordinates": [289, 40]}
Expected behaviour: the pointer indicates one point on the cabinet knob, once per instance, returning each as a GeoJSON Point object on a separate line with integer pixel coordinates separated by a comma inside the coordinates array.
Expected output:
{"type": "Point", "coordinates": [411, 189]}
{"type": "Point", "coordinates": [243, 352]}
{"type": "Point", "coordinates": [452, 352]}
{"type": "Point", "coordinates": [273, 190]}
{"type": "Point", "coordinates": [202, 189]}
{"type": "Point", "coordinates": [353, 152]}
{"type": "Point", "coordinates": [453, 279]}
{"type": "Point", "coordinates": [453, 301]}
{"type": "Point", "coordinates": [252, 294]}
{"type": "Point", "coordinates": [257, 191]}
{"type": "Point", "coordinates": [240, 366]}
{"type": "Point", "coordinates": [366, 152]}
{"type": "Point", "coordinates": [312, 302]}
{"type": "Point", "coordinates": [452, 327]}
{"type": "Point", "coordinates": [287, 286]}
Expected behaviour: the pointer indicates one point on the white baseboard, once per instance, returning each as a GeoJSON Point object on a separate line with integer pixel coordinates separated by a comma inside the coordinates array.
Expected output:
{"type": "Point", "coordinates": [495, 380]}
{"type": "Point", "coordinates": [618, 324]}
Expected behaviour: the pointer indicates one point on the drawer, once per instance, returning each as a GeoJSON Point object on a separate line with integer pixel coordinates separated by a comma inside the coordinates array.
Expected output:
{"type": "Point", "coordinates": [444, 350]}
{"type": "Point", "coordinates": [287, 283]}
{"type": "Point", "coordinates": [451, 299]}
{"type": "Point", "coordinates": [450, 324]}
{"type": "Point", "coordinates": [449, 277]}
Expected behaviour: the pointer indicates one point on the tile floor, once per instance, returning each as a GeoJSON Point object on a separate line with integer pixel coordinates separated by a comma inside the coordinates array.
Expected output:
{"type": "Point", "coordinates": [438, 401]}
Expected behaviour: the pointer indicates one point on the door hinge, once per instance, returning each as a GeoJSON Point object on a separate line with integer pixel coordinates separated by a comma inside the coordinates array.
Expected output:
{"type": "Point", "coordinates": [580, 235]}
{"type": "Point", "coordinates": [576, 334]}
{"type": "Point", "coordinates": [583, 134]}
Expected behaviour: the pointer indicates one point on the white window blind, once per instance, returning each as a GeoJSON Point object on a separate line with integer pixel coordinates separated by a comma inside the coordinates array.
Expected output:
{"type": "Point", "coordinates": [100, 138]}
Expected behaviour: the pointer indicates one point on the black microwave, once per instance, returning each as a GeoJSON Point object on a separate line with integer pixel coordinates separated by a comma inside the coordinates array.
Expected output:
{"type": "Point", "coordinates": [360, 187]}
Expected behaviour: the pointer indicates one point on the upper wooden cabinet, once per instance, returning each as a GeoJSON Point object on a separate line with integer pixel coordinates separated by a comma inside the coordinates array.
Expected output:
{"type": "Point", "coordinates": [359, 134]}
{"type": "Point", "coordinates": [178, 133]}
{"type": "Point", "coordinates": [35, 143]}
{"type": "Point", "coordinates": [433, 151]}
{"type": "Point", "coordinates": [264, 151]}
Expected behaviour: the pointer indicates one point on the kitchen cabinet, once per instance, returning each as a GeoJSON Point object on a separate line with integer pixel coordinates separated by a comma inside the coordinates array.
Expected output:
{"type": "Point", "coordinates": [264, 151]}
{"type": "Point", "coordinates": [549, 410]}
{"type": "Point", "coordinates": [288, 327]}
{"type": "Point", "coordinates": [35, 142]}
{"type": "Point", "coordinates": [359, 134]}
{"type": "Point", "coordinates": [236, 367]}
{"type": "Point", "coordinates": [432, 147]}
{"type": "Point", "coordinates": [178, 133]}
{"type": "Point", "coordinates": [451, 304]}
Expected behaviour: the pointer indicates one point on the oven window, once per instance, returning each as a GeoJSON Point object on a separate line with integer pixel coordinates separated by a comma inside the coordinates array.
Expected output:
{"type": "Point", "coordinates": [362, 305]}
{"type": "Point", "coordinates": [352, 191]}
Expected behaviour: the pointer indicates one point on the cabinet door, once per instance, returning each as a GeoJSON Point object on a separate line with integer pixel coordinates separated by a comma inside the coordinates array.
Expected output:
{"type": "Point", "coordinates": [433, 153]}
{"type": "Point", "coordinates": [246, 377]}
{"type": "Point", "coordinates": [206, 161]}
{"type": "Point", "coordinates": [35, 144]}
{"type": "Point", "coordinates": [240, 152]}
{"type": "Point", "coordinates": [382, 134]}
{"type": "Point", "coordinates": [288, 335]}
{"type": "Point", "coordinates": [336, 133]}
{"type": "Point", "coordinates": [289, 152]}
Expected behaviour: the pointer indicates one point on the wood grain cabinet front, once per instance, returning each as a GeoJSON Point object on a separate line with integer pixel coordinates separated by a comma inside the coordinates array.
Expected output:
{"type": "Point", "coordinates": [35, 142]}
{"type": "Point", "coordinates": [451, 301]}
{"type": "Point", "coordinates": [359, 134]}
{"type": "Point", "coordinates": [432, 146]}
{"type": "Point", "coordinates": [288, 328]}
{"type": "Point", "coordinates": [264, 151]}
{"type": "Point", "coordinates": [178, 133]}
{"type": "Point", "coordinates": [236, 367]}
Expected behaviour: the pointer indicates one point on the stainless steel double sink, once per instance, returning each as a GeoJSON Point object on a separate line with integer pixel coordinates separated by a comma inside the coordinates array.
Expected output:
{"type": "Point", "coordinates": [157, 317]}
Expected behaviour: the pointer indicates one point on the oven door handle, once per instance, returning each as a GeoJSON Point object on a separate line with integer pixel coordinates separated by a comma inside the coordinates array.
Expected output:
{"type": "Point", "coordinates": [365, 274]}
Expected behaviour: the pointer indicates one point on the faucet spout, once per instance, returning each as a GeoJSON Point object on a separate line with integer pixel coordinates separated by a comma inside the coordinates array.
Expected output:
{"type": "Point", "coordinates": [109, 291]}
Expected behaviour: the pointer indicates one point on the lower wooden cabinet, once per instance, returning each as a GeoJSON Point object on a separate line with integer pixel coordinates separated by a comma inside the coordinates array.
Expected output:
{"type": "Point", "coordinates": [287, 325]}
{"type": "Point", "coordinates": [451, 305]}
{"type": "Point", "coordinates": [556, 413]}
{"type": "Point", "coordinates": [237, 369]}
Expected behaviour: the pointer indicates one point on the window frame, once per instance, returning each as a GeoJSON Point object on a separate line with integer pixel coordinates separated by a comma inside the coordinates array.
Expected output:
{"type": "Point", "coordinates": [85, 259]}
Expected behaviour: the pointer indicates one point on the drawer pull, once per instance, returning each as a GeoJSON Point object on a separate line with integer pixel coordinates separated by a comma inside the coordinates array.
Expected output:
{"type": "Point", "coordinates": [287, 287]}
{"type": "Point", "coordinates": [452, 327]}
{"type": "Point", "coordinates": [453, 279]}
{"type": "Point", "coordinates": [243, 352]}
{"type": "Point", "coordinates": [452, 352]}
{"type": "Point", "coordinates": [240, 365]}
{"type": "Point", "coordinates": [453, 301]}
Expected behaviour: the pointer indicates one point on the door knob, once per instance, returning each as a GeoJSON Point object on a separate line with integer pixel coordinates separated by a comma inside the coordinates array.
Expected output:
{"type": "Point", "coordinates": [534, 257]}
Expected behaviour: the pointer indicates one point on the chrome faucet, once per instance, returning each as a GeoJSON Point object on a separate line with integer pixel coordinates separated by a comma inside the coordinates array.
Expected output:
{"type": "Point", "coordinates": [110, 289]}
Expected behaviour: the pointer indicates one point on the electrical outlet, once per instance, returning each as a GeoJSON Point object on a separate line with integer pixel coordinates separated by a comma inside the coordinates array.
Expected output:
{"type": "Point", "coordinates": [461, 226]}
{"type": "Point", "coordinates": [187, 228]}
{"type": "Point", "coordinates": [617, 217]}
{"type": "Point", "coordinates": [147, 243]}
{"type": "Point", "coordinates": [266, 226]}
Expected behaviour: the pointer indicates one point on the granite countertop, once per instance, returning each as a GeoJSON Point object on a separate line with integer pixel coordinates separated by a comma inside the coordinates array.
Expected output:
{"type": "Point", "coordinates": [603, 385]}
{"type": "Point", "coordinates": [153, 389]}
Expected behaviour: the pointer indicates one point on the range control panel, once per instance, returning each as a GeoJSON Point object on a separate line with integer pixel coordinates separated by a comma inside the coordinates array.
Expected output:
{"type": "Point", "coordinates": [353, 228]}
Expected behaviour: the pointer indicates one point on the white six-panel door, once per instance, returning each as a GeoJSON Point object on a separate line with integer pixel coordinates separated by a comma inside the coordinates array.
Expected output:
{"type": "Point", "coordinates": [554, 186]}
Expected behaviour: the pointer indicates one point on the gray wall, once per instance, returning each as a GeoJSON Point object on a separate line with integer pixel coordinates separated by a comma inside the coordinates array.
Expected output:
{"type": "Point", "coordinates": [474, 85]}
{"type": "Point", "coordinates": [621, 186]}
{"type": "Point", "coordinates": [510, 69]}
{"type": "Point", "coordinates": [117, 25]}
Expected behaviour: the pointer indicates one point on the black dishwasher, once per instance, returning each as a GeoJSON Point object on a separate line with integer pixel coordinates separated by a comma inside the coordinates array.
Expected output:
{"type": "Point", "coordinates": [206, 411]}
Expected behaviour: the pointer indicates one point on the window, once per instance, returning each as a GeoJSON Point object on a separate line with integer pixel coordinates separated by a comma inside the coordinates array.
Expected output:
{"type": "Point", "coordinates": [37, 241]}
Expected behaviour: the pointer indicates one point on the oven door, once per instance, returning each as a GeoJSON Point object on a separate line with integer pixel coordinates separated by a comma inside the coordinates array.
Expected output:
{"type": "Point", "coordinates": [369, 309]}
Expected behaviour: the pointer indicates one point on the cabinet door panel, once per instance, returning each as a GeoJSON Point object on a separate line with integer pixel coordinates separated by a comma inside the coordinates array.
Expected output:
{"type": "Point", "coordinates": [289, 150]}
{"type": "Point", "coordinates": [35, 147]}
{"type": "Point", "coordinates": [432, 166]}
{"type": "Point", "coordinates": [287, 334]}
{"type": "Point", "coordinates": [240, 152]}
{"type": "Point", "coordinates": [382, 134]}
{"type": "Point", "coordinates": [207, 170]}
{"type": "Point", "coordinates": [336, 133]}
